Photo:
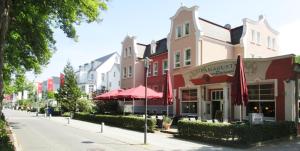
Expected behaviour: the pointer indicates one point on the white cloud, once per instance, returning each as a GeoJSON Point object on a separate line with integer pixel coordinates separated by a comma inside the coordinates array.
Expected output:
{"type": "Point", "coordinates": [289, 39]}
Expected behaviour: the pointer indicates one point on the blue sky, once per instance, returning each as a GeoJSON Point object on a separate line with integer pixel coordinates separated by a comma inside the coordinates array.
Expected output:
{"type": "Point", "coordinates": [150, 20]}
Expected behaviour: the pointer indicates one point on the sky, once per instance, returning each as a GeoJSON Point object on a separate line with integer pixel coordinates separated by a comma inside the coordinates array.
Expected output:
{"type": "Point", "coordinates": [150, 20]}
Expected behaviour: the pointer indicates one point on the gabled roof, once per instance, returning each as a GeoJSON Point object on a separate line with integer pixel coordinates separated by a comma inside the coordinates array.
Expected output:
{"type": "Point", "coordinates": [102, 60]}
{"type": "Point", "coordinates": [161, 47]}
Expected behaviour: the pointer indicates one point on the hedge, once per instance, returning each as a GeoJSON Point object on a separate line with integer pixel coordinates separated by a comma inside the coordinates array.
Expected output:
{"type": "Point", "coordinates": [233, 134]}
{"type": "Point", "coordinates": [5, 143]}
{"type": "Point", "coordinates": [128, 122]}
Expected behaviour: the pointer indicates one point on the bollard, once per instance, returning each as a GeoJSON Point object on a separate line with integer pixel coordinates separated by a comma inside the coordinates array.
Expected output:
{"type": "Point", "coordinates": [50, 115]}
{"type": "Point", "coordinates": [37, 113]}
{"type": "Point", "coordinates": [102, 127]}
{"type": "Point", "coordinates": [68, 118]}
{"type": "Point", "coordinates": [45, 115]}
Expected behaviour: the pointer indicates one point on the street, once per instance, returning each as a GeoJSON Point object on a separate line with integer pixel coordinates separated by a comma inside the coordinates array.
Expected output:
{"type": "Point", "coordinates": [45, 134]}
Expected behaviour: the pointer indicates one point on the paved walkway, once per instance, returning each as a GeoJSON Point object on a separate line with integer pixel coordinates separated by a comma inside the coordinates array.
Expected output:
{"type": "Point", "coordinates": [55, 134]}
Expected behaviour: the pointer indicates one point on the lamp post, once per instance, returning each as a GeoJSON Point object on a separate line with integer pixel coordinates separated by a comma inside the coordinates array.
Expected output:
{"type": "Point", "coordinates": [146, 65]}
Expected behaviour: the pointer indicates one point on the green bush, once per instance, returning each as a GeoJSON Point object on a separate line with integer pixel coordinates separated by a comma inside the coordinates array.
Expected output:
{"type": "Point", "coordinates": [128, 122]}
{"type": "Point", "coordinates": [234, 133]}
{"type": "Point", "coordinates": [5, 144]}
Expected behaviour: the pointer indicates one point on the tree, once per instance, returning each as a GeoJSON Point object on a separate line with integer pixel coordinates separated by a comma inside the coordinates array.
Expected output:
{"type": "Point", "coordinates": [297, 59]}
{"type": "Point", "coordinates": [69, 94]}
{"type": "Point", "coordinates": [26, 31]}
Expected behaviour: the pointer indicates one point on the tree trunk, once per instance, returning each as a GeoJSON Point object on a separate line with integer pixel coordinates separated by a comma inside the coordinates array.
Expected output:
{"type": "Point", "coordinates": [4, 16]}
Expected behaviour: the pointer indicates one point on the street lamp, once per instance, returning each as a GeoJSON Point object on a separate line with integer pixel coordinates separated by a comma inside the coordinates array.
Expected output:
{"type": "Point", "coordinates": [146, 65]}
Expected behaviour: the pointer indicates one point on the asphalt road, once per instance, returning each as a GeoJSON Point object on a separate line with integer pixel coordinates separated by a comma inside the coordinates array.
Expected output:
{"type": "Point", "coordinates": [44, 134]}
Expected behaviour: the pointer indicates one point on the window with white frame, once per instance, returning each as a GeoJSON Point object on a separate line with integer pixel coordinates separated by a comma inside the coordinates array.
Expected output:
{"type": "Point", "coordinates": [217, 95]}
{"type": "Point", "coordinates": [149, 69]}
{"type": "Point", "coordinates": [261, 99]}
{"type": "Point", "coordinates": [273, 43]}
{"type": "Point", "coordinates": [165, 66]}
{"type": "Point", "coordinates": [114, 74]}
{"type": "Point", "coordinates": [178, 31]}
{"type": "Point", "coordinates": [258, 37]}
{"type": "Point", "coordinates": [129, 71]}
{"type": "Point", "coordinates": [189, 101]}
{"type": "Point", "coordinates": [187, 28]}
{"type": "Point", "coordinates": [187, 57]}
{"type": "Point", "coordinates": [124, 72]}
{"type": "Point", "coordinates": [155, 69]}
{"type": "Point", "coordinates": [91, 88]}
{"type": "Point", "coordinates": [102, 76]}
{"type": "Point", "coordinates": [269, 42]}
{"type": "Point", "coordinates": [177, 59]}
{"type": "Point", "coordinates": [253, 35]}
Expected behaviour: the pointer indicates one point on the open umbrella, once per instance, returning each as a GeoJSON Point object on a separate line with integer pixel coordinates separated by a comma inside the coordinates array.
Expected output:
{"type": "Point", "coordinates": [240, 90]}
{"type": "Point", "coordinates": [109, 95]}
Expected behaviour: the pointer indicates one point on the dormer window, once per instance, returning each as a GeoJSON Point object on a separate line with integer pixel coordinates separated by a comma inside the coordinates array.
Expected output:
{"type": "Point", "coordinates": [253, 36]}
{"type": "Point", "coordinates": [130, 52]}
{"type": "Point", "coordinates": [153, 46]}
{"type": "Point", "coordinates": [186, 28]}
{"type": "Point", "coordinates": [125, 54]}
{"type": "Point", "coordinates": [273, 43]}
{"type": "Point", "coordinates": [269, 42]}
{"type": "Point", "coordinates": [179, 31]}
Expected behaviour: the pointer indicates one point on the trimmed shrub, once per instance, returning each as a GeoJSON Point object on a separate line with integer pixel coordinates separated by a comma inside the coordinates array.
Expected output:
{"type": "Point", "coordinates": [234, 133]}
{"type": "Point", "coordinates": [128, 122]}
{"type": "Point", "coordinates": [5, 143]}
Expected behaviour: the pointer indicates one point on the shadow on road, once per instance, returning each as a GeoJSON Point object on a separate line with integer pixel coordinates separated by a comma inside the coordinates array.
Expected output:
{"type": "Point", "coordinates": [14, 125]}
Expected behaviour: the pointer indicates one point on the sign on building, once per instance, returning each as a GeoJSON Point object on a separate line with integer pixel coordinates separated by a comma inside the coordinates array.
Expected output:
{"type": "Point", "coordinates": [256, 118]}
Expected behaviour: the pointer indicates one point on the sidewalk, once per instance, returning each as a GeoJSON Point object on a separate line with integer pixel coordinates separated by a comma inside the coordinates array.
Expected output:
{"type": "Point", "coordinates": [156, 141]}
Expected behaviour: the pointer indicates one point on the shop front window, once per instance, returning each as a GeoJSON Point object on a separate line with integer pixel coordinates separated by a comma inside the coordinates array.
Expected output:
{"type": "Point", "coordinates": [261, 99]}
{"type": "Point", "coordinates": [189, 101]}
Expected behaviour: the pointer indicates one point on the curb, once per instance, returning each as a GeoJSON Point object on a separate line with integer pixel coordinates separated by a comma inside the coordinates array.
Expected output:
{"type": "Point", "coordinates": [14, 141]}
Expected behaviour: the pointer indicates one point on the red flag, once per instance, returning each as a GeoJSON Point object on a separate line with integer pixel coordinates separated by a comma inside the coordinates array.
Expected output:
{"type": "Point", "coordinates": [40, 88]}
{"type": "Point", "coordinates": [62, 80]}
{"type": "Point", "coordinates": [50, 85]}
{"type": "Point", "coordinates": [168, 95]}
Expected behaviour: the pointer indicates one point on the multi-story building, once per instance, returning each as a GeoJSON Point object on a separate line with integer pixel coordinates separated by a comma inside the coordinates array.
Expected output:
{"type": "Point", "coordinates": [100, 74]}
{"type": "Point", "coordinates": [201, 58]}
{"type": "Point", "coordinates": [52, 84]}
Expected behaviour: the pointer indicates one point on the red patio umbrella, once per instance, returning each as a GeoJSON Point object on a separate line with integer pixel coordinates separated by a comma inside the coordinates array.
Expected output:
{"type": "Point", "coordinates": [139, 93]}
{"type": "Point", "coordinates": [168, 95]}
{"type": "Point", "coordinates": [240, 90]}
{"type": "Point", "coordinates": [109, 95]}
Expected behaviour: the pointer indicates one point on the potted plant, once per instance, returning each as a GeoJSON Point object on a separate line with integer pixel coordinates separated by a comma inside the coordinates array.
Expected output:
{"type": "Point", "coordinates": [167, 122]}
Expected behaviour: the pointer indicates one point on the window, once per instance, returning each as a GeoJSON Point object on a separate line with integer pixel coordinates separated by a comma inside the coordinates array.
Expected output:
{"type": "Point", "coordinates": [269, 42]}
{"type": "Point", "coordinates": [186, 28]}
{"type": "Point", "coordinates": [179, 31]}
{"type": "Point", "coordinates": [189, 101]}
{"type": "Point", "coordinates": [129, 71]}
{"type": "Point", "coordinates": [114, 74]}
{"type": "Point", "coordinates": [165, 66]}
{"type": "Point", "coordinates": [102, 76]}
{"type": "Point", "coordinates": [187, 57]}
{"type": "Point", "coordinates": [273, 43]}
{"type": "Point", "coordinates": [124, 72]}
{"type": "Point", "coordinates": [217, 95]}
{"type": "Point", "coordinates": [155, 69]}
{"type": "Point", "coordinates": [109, 84]}
{"type": "Point", "coordinates": [177, 59]}
{"type": "Point", "coordinates": [258, 37]}
{"type": "Point", "coordinates": [91, 88]}
{"type": "Point", "coordinates": [130, 52]}
{"type": "Point", "coordinates": [261, 99]}
{"type": "Point", "coordinates": [125, 54]}
{"type": "Point", "coordinates": [92, 77]}
{"type": "Point", "coordinates": [253, 35]}
{"type": "Point", "coordinates": [149, 70]}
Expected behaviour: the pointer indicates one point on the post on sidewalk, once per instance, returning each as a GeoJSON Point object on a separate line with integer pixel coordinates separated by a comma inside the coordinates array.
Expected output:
{"type": "Point", "coordinates": [102, 127]}
{"type": "Point", "coordinates": [37, 113]}
{"type": "Point", "coordinates": [50, 115]}
{"type": "Point", "coordinates": [68, 118]}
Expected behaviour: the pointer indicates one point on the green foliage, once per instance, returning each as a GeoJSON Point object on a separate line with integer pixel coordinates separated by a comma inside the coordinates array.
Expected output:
{"type": "Point", "coordinates": [128, 122]}
{"type": "Point", "coordinates": [167, 120]}
{"type": "Point", "coordinates": [5, 144]}
{"type": "Point", "coordinates": [86, 105]}
{"type": "Point", "coordinates": [26, 31]}
{"type": "Point", "coordinates": [108, 107]}
{"type": "Point", "coordinates": [69, 94]}
{"type": "Point", "coordinates": [297, 59]}
{"type": "Point", "coordinates": [234, 133]}
{"type": "Point", "coordinates": [25, 103]}
{"type": "Point", "coordinates": [50, 95]}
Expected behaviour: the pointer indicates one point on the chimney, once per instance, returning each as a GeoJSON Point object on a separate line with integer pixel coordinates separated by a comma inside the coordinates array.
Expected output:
{"type": "Point", "coordinates": [261, 17]}
{"type": "Point", "coordinates": [228, 26]}
{"type": "Point", "coordinates": [153, 46]}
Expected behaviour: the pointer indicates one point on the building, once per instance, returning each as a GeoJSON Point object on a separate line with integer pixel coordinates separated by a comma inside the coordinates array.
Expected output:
{"type": "Point", "coordinates": [201, 57]}
{"type": "Point", "coordinates": [100, 74]}
{"type": "Point", "coordinates": [52, 84]}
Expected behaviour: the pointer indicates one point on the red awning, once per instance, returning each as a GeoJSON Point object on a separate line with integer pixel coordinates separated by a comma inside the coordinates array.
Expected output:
{"type": "Point", "coordinates": [109, 95]}
{"type": "Point", "coordinates": [139, 93]}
